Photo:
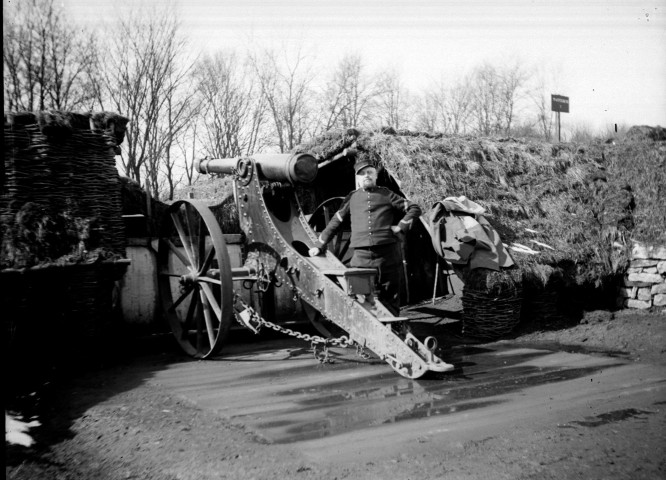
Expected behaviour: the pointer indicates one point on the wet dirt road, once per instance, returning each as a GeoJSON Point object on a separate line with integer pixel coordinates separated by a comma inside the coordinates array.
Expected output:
{"type": "Point", "coordinates": [501, 395]}
{"type": "Point", "coordinates": [267, 410]}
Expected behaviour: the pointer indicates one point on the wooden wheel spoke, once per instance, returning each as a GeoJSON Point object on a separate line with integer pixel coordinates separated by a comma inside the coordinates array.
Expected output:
{"type": "Point", "coordinates": [191, 314]}
{"type": "Point", "coordinates": [201, 248]}
{"type": "Point", "coordinates": [206, 313]}
{"type": "Point", "coordinates": [205, 288]}
{"type": "Point", "coordinates": [337, 243]}
{"type": "Point", "coordinates": [209, 259]}
{"type": "Point", "coordinates": [194, 227]}
{"type": "Point", "coordinates": [200, 325]}
{"type": "Point", "coordinates": [176, 251]}
{"type": "Point", "coordinates": [180, 300]}
{"type": "Point", "coordinates": [184, 239]}
{"type": "Point", "coordinates": [214, 281]}
{"type": "Point", "coordinates": [166, 273]}
{"type": "Point", "coordinates": [344, 249]}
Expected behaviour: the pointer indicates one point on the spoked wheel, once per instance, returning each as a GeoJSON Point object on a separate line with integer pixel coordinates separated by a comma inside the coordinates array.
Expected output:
{"type": "Point", "coordinates": [339, 246]}
{"type": "Point", "coordinates": [194, 278]}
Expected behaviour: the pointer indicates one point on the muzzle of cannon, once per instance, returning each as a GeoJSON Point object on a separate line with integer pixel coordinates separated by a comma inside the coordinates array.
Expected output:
{"type": "Point", "coordinates": [279, 167]}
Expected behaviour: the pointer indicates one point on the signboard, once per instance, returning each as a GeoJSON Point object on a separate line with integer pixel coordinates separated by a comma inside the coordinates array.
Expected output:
{"type": "Point", "coordinates": [559, 103]}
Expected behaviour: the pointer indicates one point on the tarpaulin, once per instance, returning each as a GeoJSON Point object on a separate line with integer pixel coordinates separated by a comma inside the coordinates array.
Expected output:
{"type": "Point", "coordinates": [462, 235]}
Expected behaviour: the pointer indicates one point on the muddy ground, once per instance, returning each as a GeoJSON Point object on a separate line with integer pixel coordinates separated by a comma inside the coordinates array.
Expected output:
{"type": "Point", "coordinates": [104, 422]}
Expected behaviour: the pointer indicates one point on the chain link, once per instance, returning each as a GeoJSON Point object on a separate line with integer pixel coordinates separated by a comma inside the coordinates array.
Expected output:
{"type": "Point", "coordinates": [256, 322]}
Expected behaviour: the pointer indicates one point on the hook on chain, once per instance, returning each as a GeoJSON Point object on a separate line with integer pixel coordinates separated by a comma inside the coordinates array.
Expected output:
{"type": "Point", "coordinates": [250, 319]}
{"type": "Point", "coordinates": [322, 356]}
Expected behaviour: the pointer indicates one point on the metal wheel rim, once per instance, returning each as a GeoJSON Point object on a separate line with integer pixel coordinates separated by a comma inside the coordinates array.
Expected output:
{"type": "Point", "coordinates": [338, 246]}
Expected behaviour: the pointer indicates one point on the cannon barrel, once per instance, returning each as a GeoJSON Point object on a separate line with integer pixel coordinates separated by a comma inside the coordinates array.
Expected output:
{"type": "Point", "coordinates": [278, 167]}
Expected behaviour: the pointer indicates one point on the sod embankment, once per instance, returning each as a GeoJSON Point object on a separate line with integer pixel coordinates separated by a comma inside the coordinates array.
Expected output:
{"type": "Point", "coordinates": [568, 212]}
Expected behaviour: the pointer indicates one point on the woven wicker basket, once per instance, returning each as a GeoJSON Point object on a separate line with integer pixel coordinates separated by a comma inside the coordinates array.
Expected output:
{"type": "Point", "coordinates": [540, 308]}
{"type": "Point", "coordinates": [488, 316]}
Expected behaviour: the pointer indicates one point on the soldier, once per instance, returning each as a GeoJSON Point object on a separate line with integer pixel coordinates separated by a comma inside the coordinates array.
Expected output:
{"type": "Point", "coordinates": [375, 231]}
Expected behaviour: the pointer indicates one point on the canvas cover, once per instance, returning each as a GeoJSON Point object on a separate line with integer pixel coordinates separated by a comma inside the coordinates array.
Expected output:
{"type": "Point", "coordinates": [462, 235]}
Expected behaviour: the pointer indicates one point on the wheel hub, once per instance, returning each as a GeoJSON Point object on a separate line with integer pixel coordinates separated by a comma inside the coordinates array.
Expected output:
{"type": "Point", "coordinates": [189, 279]}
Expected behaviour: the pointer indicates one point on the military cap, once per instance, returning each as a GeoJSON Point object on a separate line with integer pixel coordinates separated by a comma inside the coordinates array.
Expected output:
{"type": "Point", "coordinates": [361, 164]}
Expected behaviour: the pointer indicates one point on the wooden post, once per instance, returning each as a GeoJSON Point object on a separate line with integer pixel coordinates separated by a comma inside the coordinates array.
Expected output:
{"type": "Point", "coordinates": [148, 202]}
{"type": "Point", "coordinates": [434, 289]}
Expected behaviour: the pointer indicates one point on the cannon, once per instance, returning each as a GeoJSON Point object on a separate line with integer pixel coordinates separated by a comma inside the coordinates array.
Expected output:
{"type": "Point", "coordinates": [201, 292]}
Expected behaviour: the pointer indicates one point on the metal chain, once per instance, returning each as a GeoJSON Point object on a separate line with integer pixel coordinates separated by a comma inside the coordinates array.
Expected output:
{"type": "Point", "coordinates": [256, 322]}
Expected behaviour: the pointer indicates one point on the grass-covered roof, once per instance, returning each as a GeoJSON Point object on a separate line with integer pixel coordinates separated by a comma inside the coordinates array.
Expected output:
{"type": "Point", "coordinates": [578, 206]}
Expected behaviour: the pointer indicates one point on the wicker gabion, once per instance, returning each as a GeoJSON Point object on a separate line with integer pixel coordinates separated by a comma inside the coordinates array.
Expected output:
{"type": "Point", "coordinates": [60, 191]}
{"type": "Point", "coordinates": [491, 302]}
{"type": "Point", "coordinates": [489, 317]}
{"type": "Point", "coordinates": [63, 236]}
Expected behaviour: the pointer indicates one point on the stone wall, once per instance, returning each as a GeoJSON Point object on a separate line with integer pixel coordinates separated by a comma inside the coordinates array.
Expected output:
{"type": "Point", "coordinates": [645, 282]}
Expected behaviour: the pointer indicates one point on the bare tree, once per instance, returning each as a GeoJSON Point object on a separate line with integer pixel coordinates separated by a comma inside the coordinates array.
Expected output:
{"type": "Point", "coordinates": [47, 61]}
{"type": "Point", "coordinates": [487, 97]}
{"type": "Point", "coordinates": [512, 90]}
{"type": "Point", "coordinates": [286, 87]}
{"type": "Point", "coordinates": [544, 83]}
{"type": "Point", "coordinates": [233, 112]}
{"type": "Point", "coordinates": [544, 115]}
{"type": "Point", "coordinates": [392, 101]}
{"type": "Point", "coordinates": [187, 147]}
{"type": "Point", "coordinates": [350, 95]}
{"type": "Point", "coordinates": [445, 108]}
{"type": "Point", "coordinates": [145, 78]}
{"type": "Point", "coordinates": [433, 114]}
{"type": "Point", "coordinates": [496, 93]}
{"type": "Point", "coordinates": [458, 106]}
{"type": "Point", "coordinates": [427, 117]}
{"type": "Point", "coordinates": [164, 168]}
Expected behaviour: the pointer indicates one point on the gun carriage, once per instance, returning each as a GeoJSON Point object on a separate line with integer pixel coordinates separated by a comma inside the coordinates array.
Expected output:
{"type": "Point", "coordinates": [201, 292]}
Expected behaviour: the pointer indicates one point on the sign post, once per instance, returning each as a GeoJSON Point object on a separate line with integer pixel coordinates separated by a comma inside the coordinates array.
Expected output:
{"type": "Point", "coordinates": [559, 103]}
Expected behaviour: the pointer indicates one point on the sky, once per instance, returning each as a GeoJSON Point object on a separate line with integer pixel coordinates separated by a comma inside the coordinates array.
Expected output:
{"type": "Point", "coordinates": [608, 57]}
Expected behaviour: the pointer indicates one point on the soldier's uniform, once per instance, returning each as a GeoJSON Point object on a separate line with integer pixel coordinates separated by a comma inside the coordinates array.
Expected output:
{"type": "Point", "coordinates": [373, 211]}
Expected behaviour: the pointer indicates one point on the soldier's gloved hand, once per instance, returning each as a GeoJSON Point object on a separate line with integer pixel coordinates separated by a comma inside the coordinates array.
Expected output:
{"type": "Point", "coordinates": [314, 251]}
{"type": "Point", "coordinates": [396, 229]}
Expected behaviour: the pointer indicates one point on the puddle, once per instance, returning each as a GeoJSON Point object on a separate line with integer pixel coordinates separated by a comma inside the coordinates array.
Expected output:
{"type": "Point", "coordinates": [485, 377]}
{"type": "Point", "coordinates": [336, 425]}
{"type": "Point", "coordinates": [611, 417]}
{"type": "Point", "coordinates": [558, 347]}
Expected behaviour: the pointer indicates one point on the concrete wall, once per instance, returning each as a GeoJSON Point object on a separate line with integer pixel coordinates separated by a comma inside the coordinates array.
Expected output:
{"type": "Point", "coordinates": [645, 282]}
{"type": "Point", "coordinates": [138, 287]}
{"type": "Point", "coordinates": [138, 291]}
